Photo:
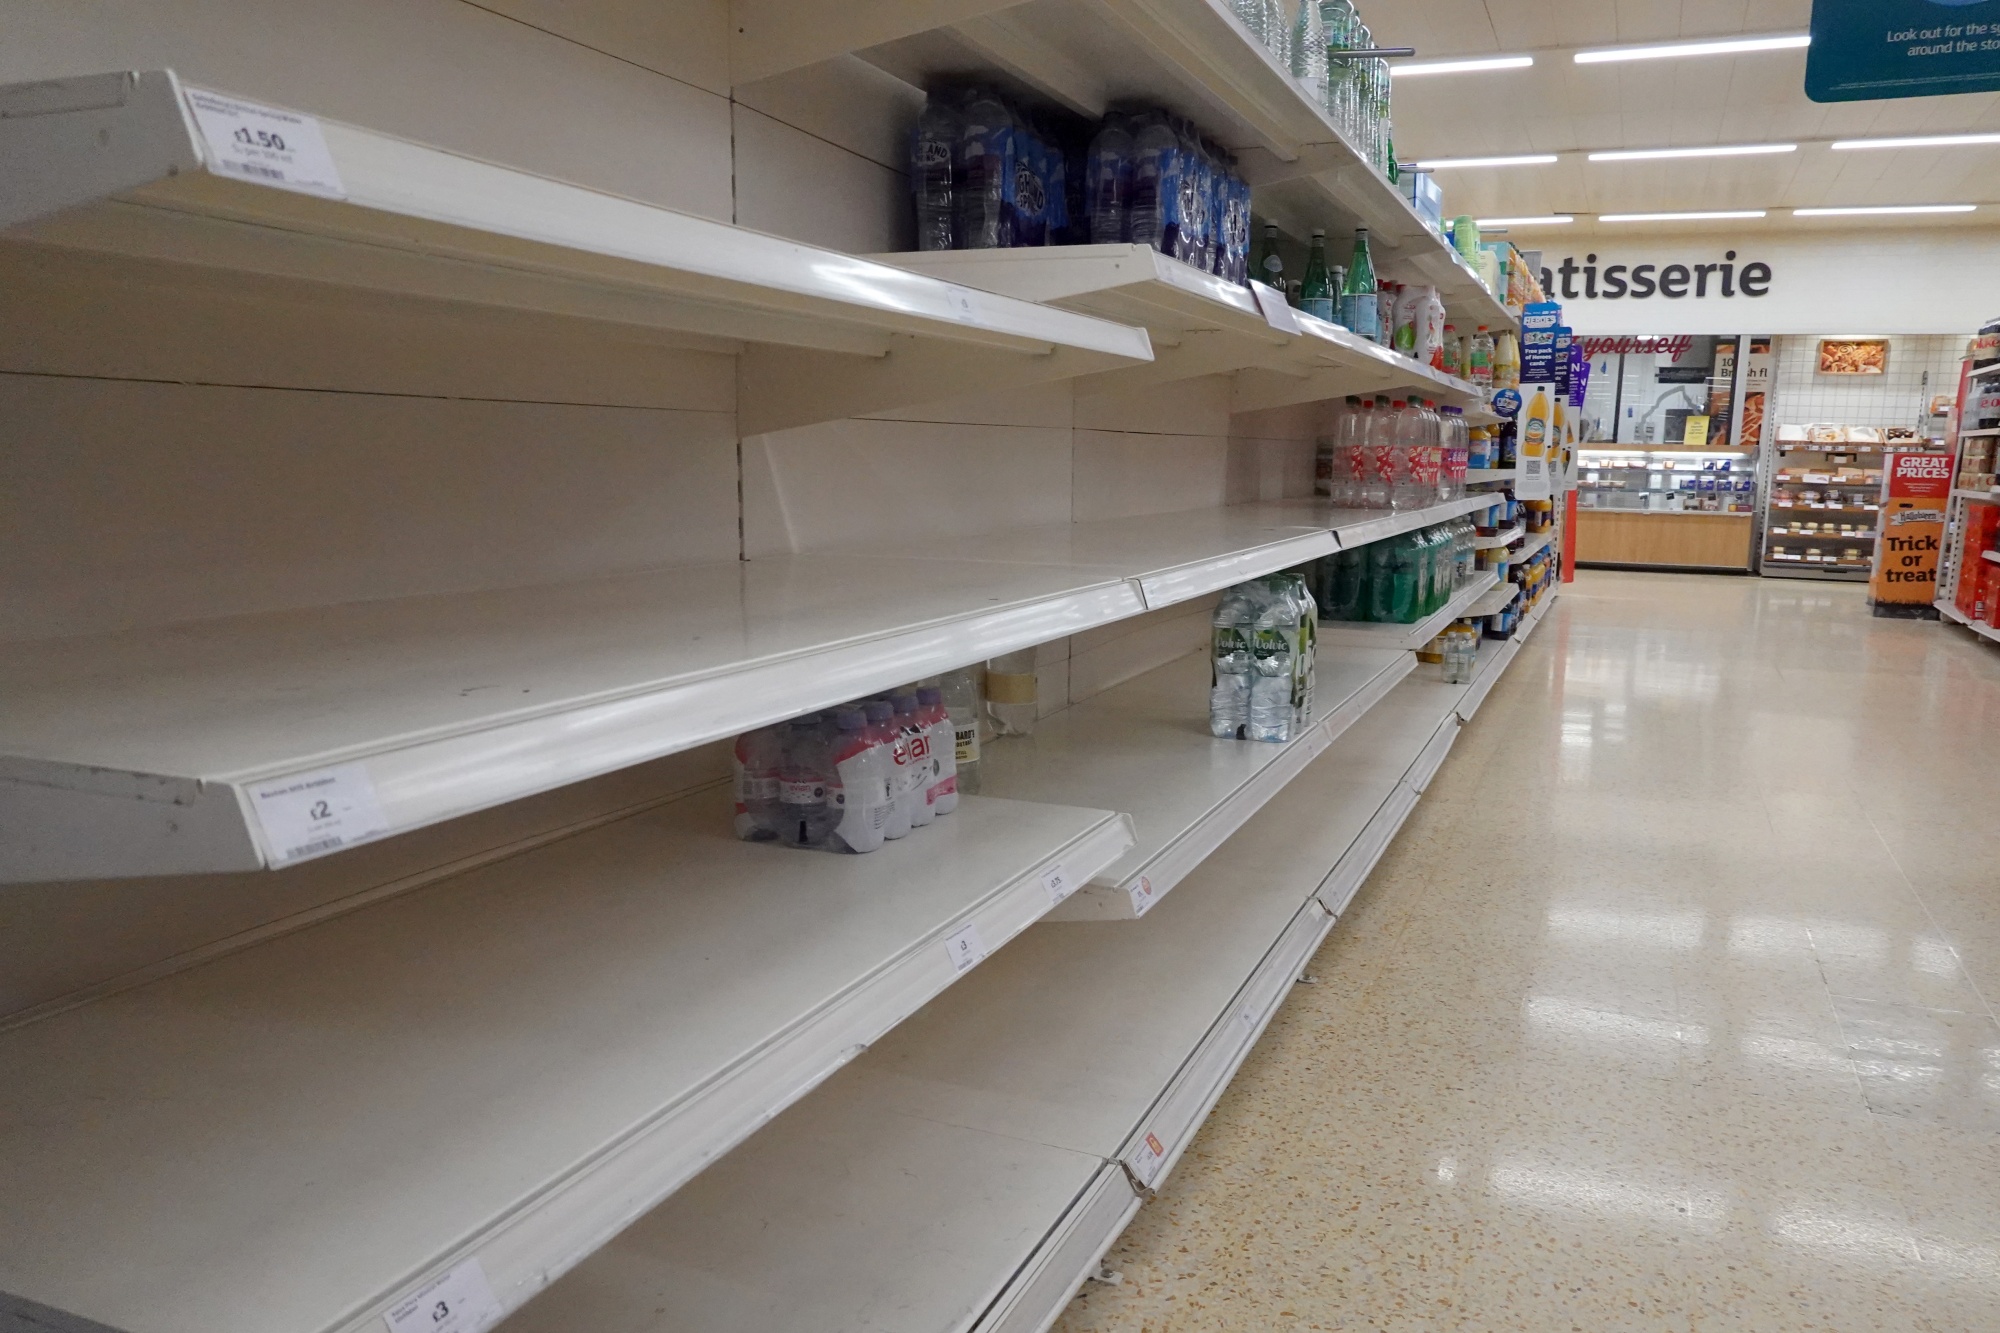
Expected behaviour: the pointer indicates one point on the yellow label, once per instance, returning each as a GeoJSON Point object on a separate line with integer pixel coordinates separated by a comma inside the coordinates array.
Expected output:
{"type": "Point", "coordinates": [1696, 434]}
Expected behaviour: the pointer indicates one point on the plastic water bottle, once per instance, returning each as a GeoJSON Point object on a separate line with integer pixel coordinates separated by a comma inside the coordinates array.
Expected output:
{"type": "Point", "coordinates": [1273, 659]}
{"type": "Point", "coordinates": [1108, 184]}
{"type": "Point", "coordinates": [985, 177]}
{"type": "Point", "coordinates": [1379, 484]}
{"type": "Point", "coordinates": [1229, 654]}
{"type": "Point", "coordinates": [1405, 486]}
{"type": "Point", "coordinates": [1156, 183]}
{"type": "Point", "coordinates": [1011, 700]}
{"type": "Point", "coordinates": [965, 704]}
{"type": "Point", "coordinates": [803, 785]}
{"type": "Point", "coordinates": [933, 167]}
{"type": "Point", "coordinates": [1308, 54]}
{"type": "Point", "coordinates": [1350, 456]}
{"type": "Point", "coordinates": [1479, 367]}
{"type": "Point", "coordinates": [917, 774]}
{"type": "Point", "coordinates": [756, 763]}
{"type": "Point", "coordinates": [884, 735]}
{"type": "Point", "coordinates": [857, 797]}
{"type": "Point", "coordinates": [943, 750]}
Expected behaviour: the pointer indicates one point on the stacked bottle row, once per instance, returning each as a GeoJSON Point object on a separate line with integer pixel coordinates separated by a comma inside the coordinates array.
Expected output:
{"type": "Point", "coordinates": [1394, 453]}
{"type": "Point", "coordinates": [1262, 650]}
{"type": "Point", "coordinates": [987, 175]}
{"type": "Point", "coordinates": [1347, 296]}
{"type": "Point", "coordinates": [1398, 581]}
{"type": "Point", "coordinates": [1312, 42]}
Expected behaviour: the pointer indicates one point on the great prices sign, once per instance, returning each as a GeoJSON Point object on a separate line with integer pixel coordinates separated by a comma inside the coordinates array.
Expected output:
{"type": "Point", "coordinates": [1915, 489]}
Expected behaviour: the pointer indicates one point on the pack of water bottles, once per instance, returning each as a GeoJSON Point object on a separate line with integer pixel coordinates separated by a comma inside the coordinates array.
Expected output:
{"type": "Point", "coordinates": [850, 779]}
{"type": "Point", "coordinates": [987, 174]}
{"type": "Point", "coordinates": [1262, 648]}
{"type": "Point", "coordinates": [1399, 580]}
{"type": "Point", "coordinates": [1315, 39]}
{"type": "Point", "coordinates": [1394, 453]}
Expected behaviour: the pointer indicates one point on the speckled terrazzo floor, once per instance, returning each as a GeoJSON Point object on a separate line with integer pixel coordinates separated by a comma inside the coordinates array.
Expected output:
{"type": "Point", "coordinates": [1669, 1009]}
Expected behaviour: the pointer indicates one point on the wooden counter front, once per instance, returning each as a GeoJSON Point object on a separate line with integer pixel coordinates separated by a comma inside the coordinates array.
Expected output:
{"type": "Point", "coordinates": [1642, 537]}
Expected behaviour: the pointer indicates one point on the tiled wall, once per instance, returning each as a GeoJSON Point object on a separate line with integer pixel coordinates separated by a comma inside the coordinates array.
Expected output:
{"type": "Point", "coordinates": [1919, 369]}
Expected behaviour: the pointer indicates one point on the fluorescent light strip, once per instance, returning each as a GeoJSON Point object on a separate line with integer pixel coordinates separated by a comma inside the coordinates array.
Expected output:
{"type": "Point", "coordinates": [1881, 209]}
{"type": "Point", "coordinates": [1519, 160]}
{"type": "Point", "coordinates": [1460, 66]}
{"type": "Point", "coordinates": [1674, 50]}
{"type": "Point", "coordinates": [1916, 141]}
{"type": "Point", "coordinates": [1681, 217]}
{"type": "Point", "coordinates": [1712, 150]}
{"type": "Point", "coordinates": [1546, 220]}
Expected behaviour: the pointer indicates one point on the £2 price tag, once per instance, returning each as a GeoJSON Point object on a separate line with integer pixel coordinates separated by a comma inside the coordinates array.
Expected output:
{"type": "Point", "coordinates": [309, 814]}
{"type": "Point", "coordinates": [461, 1301]}
{"type": "Point", "coordinates": [266, 145]}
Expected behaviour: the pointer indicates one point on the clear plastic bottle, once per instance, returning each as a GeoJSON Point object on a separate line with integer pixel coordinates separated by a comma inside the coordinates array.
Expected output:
{"type": "Point", "coordinates": [941, 750]}
{"type": "Point", "coordinates": [803, 785]}
{"type": "Point", "coordinates": [1277, 32]}
{"type": "Point", "coordinates": [1156, 182]}
{"type": "Point", "coordinates": [1308, 53]}
{"type": "Point", "coordinates": [1380, 484]}
{"type": "Point", "coordinates": [965, 704]}
{"type": "Point", "coordinates": [1108, 183]}
{"type": "Point", "coordinates": [1230, 632]}
{"type": "Point", "coordinates": [757, 763]}
{"type": "Point", "coordinates": [1453, 351]}
{"type": "Point", "coordinates": [1273, 660]}
{"type": "Point", "coordinates": [1406, 486]}
{"type": "Point", "coordinates": [1350, 456]}
{"type": "Point", "coordinates": [889, 739]}
{"type": "Point", "coordinates": [1336, 19]}
{"type": "Point", "coordinates": [1506, 362]}
{"type": "Point", "coordinates": [985, 177]}
{"type": "Point", "coordinates": [917, 773]}
{"type": "Point", "coordinates": [858, 795]}
{"type": "Point", "coordinates": [1479, 367]}
{"type": "Point", "coordinates": [1434, 452]}
{"type": "Point", "coordinates": [934, 150]}
{"type": "Point", "coordinates": [1011, 693]}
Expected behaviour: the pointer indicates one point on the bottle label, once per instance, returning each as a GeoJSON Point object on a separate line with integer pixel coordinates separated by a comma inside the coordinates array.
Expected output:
{"type": "Point", "coordinates": [756, 787]}
{"type": "Point", "coordinates": [966, 743]}
{"type": "Point", "coordinates": [1319, 307]}
{"type": "Point", "coordinates": [802, 793]}
{"type": "Point", "coordinates": [1006, 687]}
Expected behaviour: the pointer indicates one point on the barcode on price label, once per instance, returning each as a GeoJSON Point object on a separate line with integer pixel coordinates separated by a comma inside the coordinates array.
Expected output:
{"type": "Point", "coordinates": [965, 947]}
{"type": "Point", "coordinates": [462, 1301]}
{"type": "Point", "coordinates": [1147, 1158]}
{"type": "Point", "coordinates": [310, 814]}
{"type": "Point", "coordinates": [265, 144]}
{"type": "Point", "coordinates": [1056, 880]}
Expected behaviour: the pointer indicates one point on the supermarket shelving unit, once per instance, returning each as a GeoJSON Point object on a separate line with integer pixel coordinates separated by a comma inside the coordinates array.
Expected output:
{"type": "Point", "coordinates": [569, 1051]}
{"type": "Point", "coordinates": [974, 1166]}
{"type": "Point", "coordinates": [1787, 550]}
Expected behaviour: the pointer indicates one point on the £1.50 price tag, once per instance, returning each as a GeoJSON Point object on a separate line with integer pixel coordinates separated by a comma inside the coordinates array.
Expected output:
{"type": "Point", "coordinates": [309, 814]}
{"type": "Point", "coordinates": [266, 145]}
{"type": "Point", "coordinates": [461, 1301]}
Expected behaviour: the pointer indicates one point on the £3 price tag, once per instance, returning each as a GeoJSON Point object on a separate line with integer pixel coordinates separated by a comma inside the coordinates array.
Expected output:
{"type": "Point", "coordinates": [461, 1301]}
{"type": "Point", "coordinates": [965, 947]}
{"type": "Point", "coordinates": [265, 144]}
{"type": "Point", "coordinates": [310, 814]}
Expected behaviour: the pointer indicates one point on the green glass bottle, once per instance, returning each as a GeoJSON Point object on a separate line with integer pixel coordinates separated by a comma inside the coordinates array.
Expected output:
{"type": "Point", "coordinates": [1316, 294]}
{"type": "Point", "coordinates": [1358, 308]}
{"type": "Point", "coordinates": [1270, 265]}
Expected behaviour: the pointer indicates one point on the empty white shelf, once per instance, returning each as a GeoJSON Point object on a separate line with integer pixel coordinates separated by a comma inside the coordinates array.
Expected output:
{"type": "Point", "coordinates": [1535, 542]}
{"type": "Point", "coordinates": [1144, 748]}
{"type": "Point", "coordinates": [1079, 1041]}
{"type": "Point", "coordinates": [1494, 601]}
{"type": "Point", "coordinates": [1194, 57]}
{"type": "Point", "coordinates": [1491, 474]}
{"type": "Point", "coordinates": [1365, 634]}
{"type": "Point", "coordinates": [146, 752]}
{"type": "Point", "coordinates": [509, 1066]}
{"type": "Point", "coordinates": [1199, 324]}
{"type": "Point", "coordinates": [126, 163]}
{"type": "Point", "coordinates": [1503, 537]}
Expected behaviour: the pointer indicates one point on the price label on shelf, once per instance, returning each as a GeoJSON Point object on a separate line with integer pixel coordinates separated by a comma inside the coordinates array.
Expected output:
{"type": "Point", "coordinates": [964, 947]}
{"type": "Point", "coordinates": [1277, 311]}
{"type": "Point", "coordinates": [1143, 896]}
{"type": "Point", "coordinates": [1147, 1159]}
{"type": "Point", "coordinates": [462, 1301]}
{"type": "Point", "coordinates": [1056, 880]}
{"type": "Point", "coordinates": [963, 303]}
{"type": "Point", "coordinates": [309, 814]}
{"type": "Point", "coordinates": [266, 145]}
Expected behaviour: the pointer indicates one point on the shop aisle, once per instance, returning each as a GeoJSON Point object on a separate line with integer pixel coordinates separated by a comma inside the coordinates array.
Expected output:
{"type": "Point", "coordinates": [1669, 1009]}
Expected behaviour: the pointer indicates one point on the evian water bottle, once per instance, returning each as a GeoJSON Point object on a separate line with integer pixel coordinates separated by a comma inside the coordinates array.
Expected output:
{"type": "Point", "coordinates": [803, 782]}
{"type": "Point", "coordinates": [756, 762]}
{"type": "Point", "coordinates": [884, 734]}
{"type": "Point", "coordinates": [938, 730]}
{"type": "Point", "coordinates": [858, 795]}
{"type": "Point", "coordinates": [914, 777]}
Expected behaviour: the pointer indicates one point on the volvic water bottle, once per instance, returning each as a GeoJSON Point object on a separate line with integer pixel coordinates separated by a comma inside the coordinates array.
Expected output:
{"type": "Point", "coordinates": [1273, 656]}
{"type": "Point", "coordinates": [1229, 658]}
{"type": "Point", "coordinates": [933, 162]}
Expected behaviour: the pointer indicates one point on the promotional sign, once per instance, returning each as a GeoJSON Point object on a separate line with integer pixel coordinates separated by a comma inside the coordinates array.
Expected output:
{"type": "Point", "coordinates": [1865, 50]}
{"type": "Point", "coordinates": [1915, 490]}
{"type": "Point", "coordinates": [1538, 342]}
{"type": "Point", "coordinates": [1756, 390]}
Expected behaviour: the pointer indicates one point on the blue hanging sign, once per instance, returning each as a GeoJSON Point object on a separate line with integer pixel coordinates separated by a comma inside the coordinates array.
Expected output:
{"type": "Point", "coordinates": [1538, 342]}
{"type": "Point", "coordinates": [1865, 50]}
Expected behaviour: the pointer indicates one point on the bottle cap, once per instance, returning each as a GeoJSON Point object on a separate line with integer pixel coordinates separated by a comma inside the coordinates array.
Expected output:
{"type": "Point", "coordinates": [880, 710]}
{"type": "Point", "coordinates": [850, 719]}
{"type": "Point", "coordinates": [1319, 233]}
{"type": "Point", "coordinates": [930, 694]}
{"type": "Point", "coordinates": [905, 703]}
